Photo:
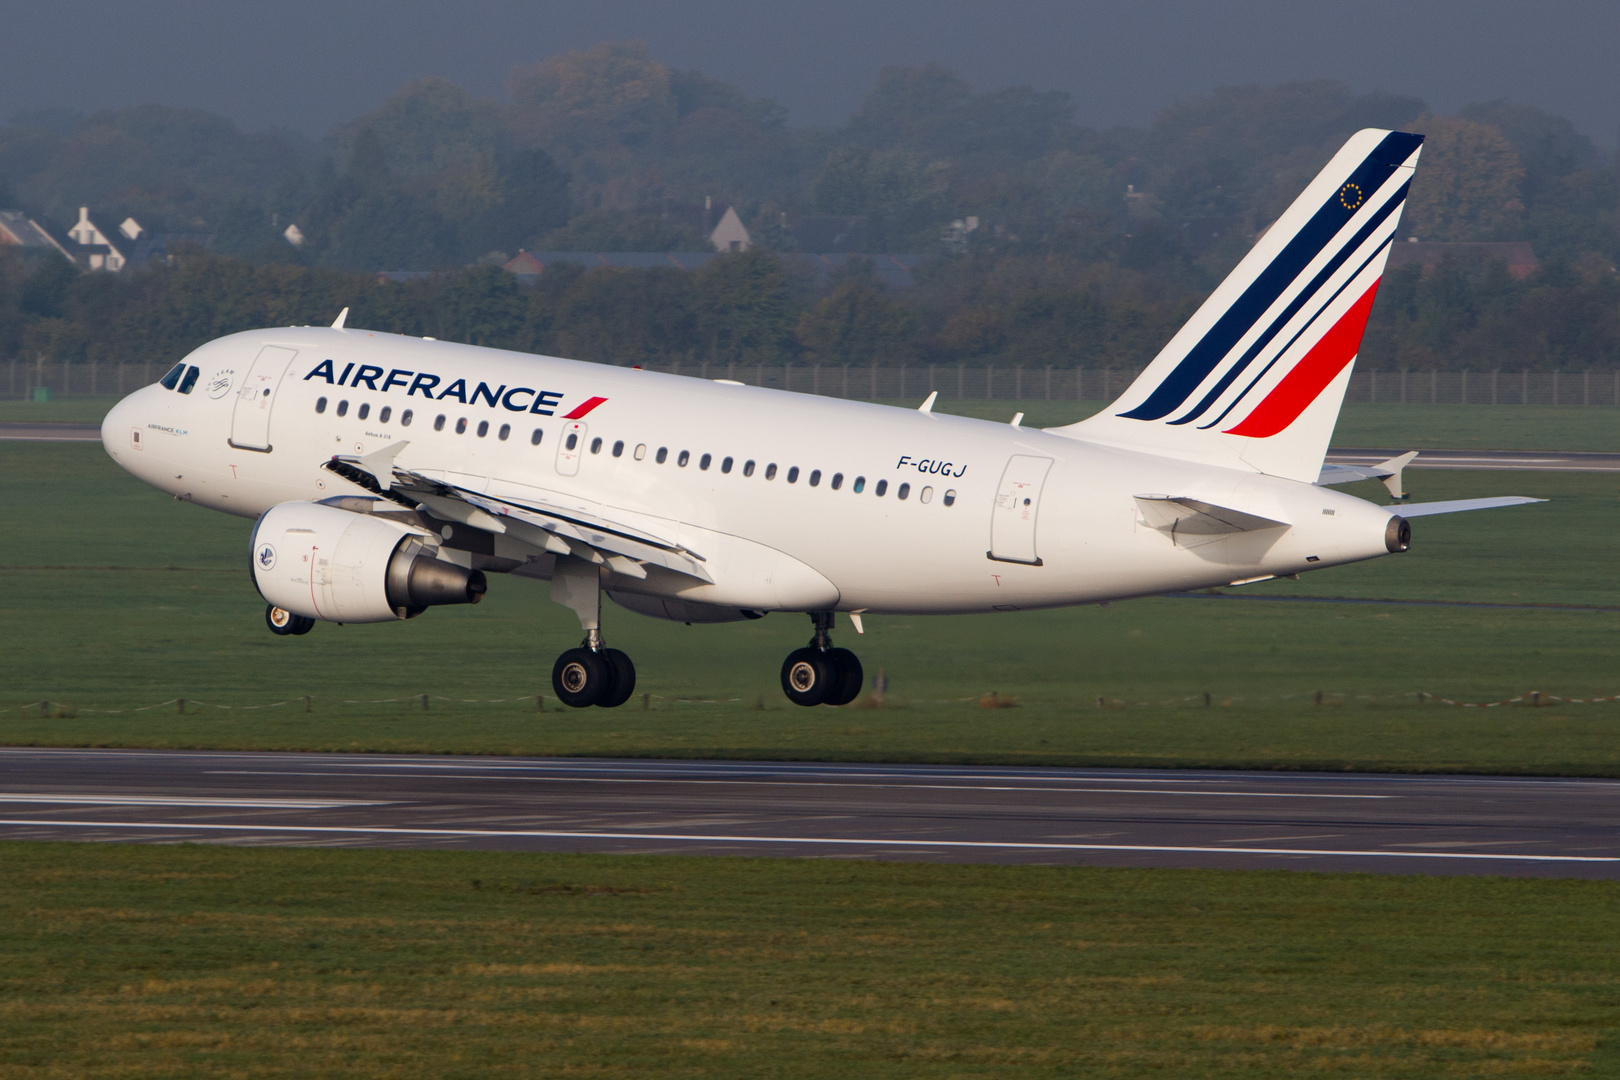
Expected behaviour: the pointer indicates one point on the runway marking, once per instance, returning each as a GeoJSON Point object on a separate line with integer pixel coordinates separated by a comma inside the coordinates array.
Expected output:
{"type": "Point", "coordinates": [689, 838]}
{"type": "Point", "coordinates": [867, 787]}
{"type": "Point", "coordinates": [182, 800]}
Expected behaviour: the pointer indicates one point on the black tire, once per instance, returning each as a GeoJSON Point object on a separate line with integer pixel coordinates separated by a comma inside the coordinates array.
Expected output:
{"type": "Point", "coordinates": [283, 622]}
{"type": "Point", "coordinates": [581, 678]}
{"type": "Point", "coordinates": [624, 679]}
{"type": "Point", "coordinates": [850, 676]}
{"type": "Point", "coordinates": [808, 677]}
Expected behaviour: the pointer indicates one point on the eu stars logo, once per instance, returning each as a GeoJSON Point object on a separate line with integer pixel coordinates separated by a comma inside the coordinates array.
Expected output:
{"type": "Point", "coordinates": [1350, 196]}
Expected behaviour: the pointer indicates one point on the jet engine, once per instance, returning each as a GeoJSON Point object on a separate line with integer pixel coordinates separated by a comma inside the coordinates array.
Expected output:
{"type": "Point", "coordinates": [329, 563]}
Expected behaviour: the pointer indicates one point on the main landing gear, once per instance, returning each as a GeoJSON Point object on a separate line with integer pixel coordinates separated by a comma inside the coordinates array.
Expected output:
{"type": "Point", "coordinates": [820, 674]}
{"type": "Point", "coordinates": [283, 622]}
{"type": "Point", "coordinates": [591, 674]}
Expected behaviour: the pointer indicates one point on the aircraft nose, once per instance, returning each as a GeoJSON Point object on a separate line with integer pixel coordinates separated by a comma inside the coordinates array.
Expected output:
{"type": "Point", "coordinates": [119, 430]}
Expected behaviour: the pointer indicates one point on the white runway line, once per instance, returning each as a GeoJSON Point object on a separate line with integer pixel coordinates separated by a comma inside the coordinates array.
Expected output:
{"type": "Point", "coordinates": [980, 845]}
{"type": "Point", "coordinates": [180, 800]}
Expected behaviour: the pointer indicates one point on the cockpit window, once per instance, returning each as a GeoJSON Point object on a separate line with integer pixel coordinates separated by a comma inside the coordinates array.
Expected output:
{"type": "Point", "coordinates": [190, 380]}
{"type": "Point", "coordinates": [169, 381]}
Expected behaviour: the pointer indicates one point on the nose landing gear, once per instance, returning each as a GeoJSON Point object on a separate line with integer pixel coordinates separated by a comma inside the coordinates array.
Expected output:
{"type": "Point", "coordinates": [820, 674]}
{"type": "Point", "coordinates": [591, 674]}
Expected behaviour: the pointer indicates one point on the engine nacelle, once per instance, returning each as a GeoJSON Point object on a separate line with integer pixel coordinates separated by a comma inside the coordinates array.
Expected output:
{"type": "Point", "coordinates": [328, 563]}
{"type": "Point", "coordinates": [684, 611]}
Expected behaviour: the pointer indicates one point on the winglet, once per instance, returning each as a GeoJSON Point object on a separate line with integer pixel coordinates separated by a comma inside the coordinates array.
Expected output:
{"type": "Point", "coordinates": [343, 317]}
{"type": "Point", "coordinates": [928, 406]}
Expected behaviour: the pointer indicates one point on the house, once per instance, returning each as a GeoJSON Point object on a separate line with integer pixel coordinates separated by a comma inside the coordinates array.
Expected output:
{"type": "Point", "coordinates": [95, 247]}
{"type": "Point", "coordinates": [17, 229]}
{"type": "Point", "coordinates": [730, 234]}
{"type": "Point", "coordinates": [1520, 257]}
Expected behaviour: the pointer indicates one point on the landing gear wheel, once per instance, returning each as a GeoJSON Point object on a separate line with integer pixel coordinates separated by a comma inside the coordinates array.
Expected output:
{"type": "Point", "coordinates": [283, 622]}
{"type": "Point", "coordinates": [809, 677]}
{"type": "Point", "coordinates": [849, 676]}
{"type": "Point", "coordinates": [624, 679]}
{"type": "Point", "coordinates": [581, 678]}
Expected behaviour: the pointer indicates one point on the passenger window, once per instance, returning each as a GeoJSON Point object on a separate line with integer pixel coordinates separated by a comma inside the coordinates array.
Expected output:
{"type": "Point", "coordinates": [641, 450]}
{"type": "Point", "coordinates": [860, 485]}
{"type": "Point", "coordinates": [837, 481]}
{"type": "Point", "coordinates": [189, 381]}
{"type": "Point", "coordinates": [725, 466]}
{"type": "Point", "coordinates": [663, 455]}
{"type": "Point", "coordinates": [534, 440]}
{"type": "Point", "coordinates": [343, 408]}
{"type": "Point", "coordinates": [950, 496]}
{"type": "Point", "coordinates": [748, 468]}
{"type": "Point", "coordinates": [405, 418]}
{"type": "Point", "coordinates": [815, 477]}
{"type": "Point", "coordinates": [882, 488]}
{"type": "Point", "coordinates": [926, 494]}
{"type": "Point", "coordinates": [461, 425]}
{"type": "Point", "coordinates": [770, 471]}
{"type": "Point", "coordinates": [902, 491]}
{"type": "Point", "coordinates": [618, 448]}
{"type": "Point", "coordinates": [172, 379]}
{"type": "Point", "coordinates": [596, 445]}
{"type": "Point", "coordinates": [364, 410]}
{"type": "Point", "coordinates": [384, 414]}
{"type": "Point", "coordinates": [572, 441]}
{"type": "Point", "coordinates": [320, 405]}
{"type": "Point", "coordinates": [483, 428]}
{"type": "Point", "coordinates": [683, 459]}
{"type": "Point", "coordinates": [793, 474]}
{"type": "Point", "coordinates": [703, 462]}
{"type": "Point", "coordinates": [506, 429]}
{"type": "Point", "coordinates": [438, 422]}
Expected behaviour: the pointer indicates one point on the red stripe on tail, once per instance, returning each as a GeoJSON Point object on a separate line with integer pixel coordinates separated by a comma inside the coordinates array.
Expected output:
{"type": "Point", "coordinates": [581, 410]}
{"type": "Point", "coordinates": [1311, 375]}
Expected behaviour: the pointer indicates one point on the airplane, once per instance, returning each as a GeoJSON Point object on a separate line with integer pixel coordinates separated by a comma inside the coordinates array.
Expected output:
{"type": "Point", "coordinates": [391, 474]}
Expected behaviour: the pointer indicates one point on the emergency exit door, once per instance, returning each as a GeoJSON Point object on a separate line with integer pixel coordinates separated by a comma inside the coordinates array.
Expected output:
{"type": "Point", "coordinates": [250, 424]}
{"type": "Point", "coordinates": [1018, 499]}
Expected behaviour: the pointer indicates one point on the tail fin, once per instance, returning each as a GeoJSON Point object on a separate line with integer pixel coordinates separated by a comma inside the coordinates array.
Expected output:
{"type": "Point", "coordinates": [1257, 375]}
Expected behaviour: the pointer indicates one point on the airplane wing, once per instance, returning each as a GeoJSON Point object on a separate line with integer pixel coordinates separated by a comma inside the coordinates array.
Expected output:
{"type": "Point", "coordinates": [1177, 514]}
{"type": "Point", "coordinates": [557, 529]}
{"type": "Point", "coordinates": [1457, 506]}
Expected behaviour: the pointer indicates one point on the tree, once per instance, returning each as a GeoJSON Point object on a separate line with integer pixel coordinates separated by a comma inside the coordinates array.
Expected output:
{"type": "Point", "coordinates": [857, 324]}
{"type": "Point", "coordinates": [1467, 185]}
{"type": "Point", "coordinates": [744, 308]}
{"type": "Point", "coordinates": [617, 230]}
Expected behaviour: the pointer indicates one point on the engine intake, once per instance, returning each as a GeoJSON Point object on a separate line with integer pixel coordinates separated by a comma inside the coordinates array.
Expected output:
{"type": "Point", "coordinates": [1398, 534]}
{"type": "Point", "coordinates": [334, 563]}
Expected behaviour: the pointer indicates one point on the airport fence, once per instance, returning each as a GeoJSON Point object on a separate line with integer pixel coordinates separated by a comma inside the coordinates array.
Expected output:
{"type": "Point", "coordinates": [29, 380]}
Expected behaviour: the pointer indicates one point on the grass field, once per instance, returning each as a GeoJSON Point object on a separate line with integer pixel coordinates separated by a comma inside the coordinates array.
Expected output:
{"type": "Point", "coordinates": [194, 961]}
{"type": "Point", "coordinates": [1415, 427]}
{"type": "Point", "coordinates": [115, 598]}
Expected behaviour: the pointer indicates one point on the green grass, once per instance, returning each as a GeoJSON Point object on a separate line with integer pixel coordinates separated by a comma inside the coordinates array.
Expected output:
{"type": "Point", "coordinates": [198, 961]}
{"type": "Point", "coordinates": [113, 597]}
{"type": "Point", "coordinates": [79, 410]}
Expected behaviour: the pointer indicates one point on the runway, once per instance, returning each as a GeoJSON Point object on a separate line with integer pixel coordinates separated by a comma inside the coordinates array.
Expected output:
{"type": "Point", "coordinates": [1098, 817]}
{"type": "Point", "coordinates": [12, 431]}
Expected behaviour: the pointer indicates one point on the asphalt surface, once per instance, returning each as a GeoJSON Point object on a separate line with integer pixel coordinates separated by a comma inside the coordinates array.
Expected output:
{"type": "Point", "coordinates": [1296, 821]}
{"type": "Point", "coordinates": [30, 432]}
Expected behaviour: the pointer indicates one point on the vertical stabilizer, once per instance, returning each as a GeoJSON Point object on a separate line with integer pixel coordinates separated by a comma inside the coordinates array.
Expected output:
{"type": "Point", "coordinates": [1257, 375]}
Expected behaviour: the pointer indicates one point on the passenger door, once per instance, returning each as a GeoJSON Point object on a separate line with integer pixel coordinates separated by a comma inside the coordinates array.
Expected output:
{"type": "Point", "coordinates": [1018, 499]}
{"type": "Point", "coordinates": [250, 424]}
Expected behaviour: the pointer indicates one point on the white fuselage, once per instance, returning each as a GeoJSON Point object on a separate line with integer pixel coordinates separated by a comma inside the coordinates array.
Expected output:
{"type": "Point", "coordinates": [768, 543]}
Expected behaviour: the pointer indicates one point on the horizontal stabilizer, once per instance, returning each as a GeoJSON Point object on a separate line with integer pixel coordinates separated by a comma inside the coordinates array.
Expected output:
{"type": "Point", "coordinates": [1181, 515]}
{"type": "Point", "coordinates": [1389, 472]}
{"type": "Point", "coordinates": [1457, 506]}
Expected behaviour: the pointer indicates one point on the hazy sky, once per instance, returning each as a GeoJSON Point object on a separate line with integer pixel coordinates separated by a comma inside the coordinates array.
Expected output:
{"type": "Point", "coordinates": [308, 65]}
